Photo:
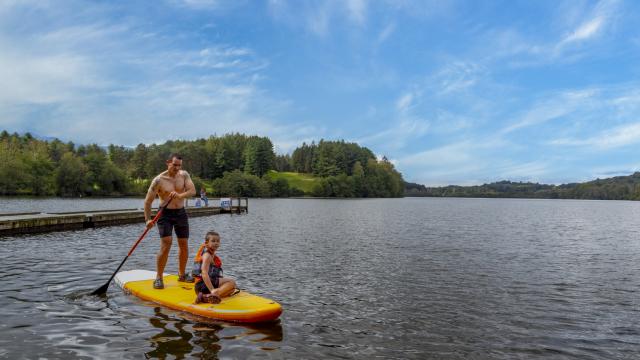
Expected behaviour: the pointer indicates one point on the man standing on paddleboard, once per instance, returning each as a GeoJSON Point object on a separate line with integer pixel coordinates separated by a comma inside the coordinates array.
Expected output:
{"type": "Point", "coordinates": [173, 185]}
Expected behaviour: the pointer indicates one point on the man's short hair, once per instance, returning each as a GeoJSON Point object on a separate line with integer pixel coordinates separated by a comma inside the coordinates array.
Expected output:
{"type": "Point", "coordinates": [174, 155]}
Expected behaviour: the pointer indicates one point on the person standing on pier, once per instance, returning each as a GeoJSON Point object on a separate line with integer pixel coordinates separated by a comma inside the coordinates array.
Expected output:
{"type": "Point", "coordinates": [203, 196]}
{"type": "Point", "coordinates": [173, 185]}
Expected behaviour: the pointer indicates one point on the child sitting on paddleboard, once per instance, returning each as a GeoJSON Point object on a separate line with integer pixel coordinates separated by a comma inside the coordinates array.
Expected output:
{"type": "Point", "coordinates": [210, 286]}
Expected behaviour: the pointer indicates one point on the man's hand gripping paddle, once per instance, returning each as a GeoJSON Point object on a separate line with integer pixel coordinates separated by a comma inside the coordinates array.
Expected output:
{"type": "Point", "coordinates": [103, 289]}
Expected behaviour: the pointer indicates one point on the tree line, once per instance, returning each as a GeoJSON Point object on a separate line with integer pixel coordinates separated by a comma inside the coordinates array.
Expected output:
{"type": "Point", "coordinates": [229, 165]}
{"type": "Point", "coordinates": [615, 188]}
{"type": "Point", "coordinates": [345, 169]}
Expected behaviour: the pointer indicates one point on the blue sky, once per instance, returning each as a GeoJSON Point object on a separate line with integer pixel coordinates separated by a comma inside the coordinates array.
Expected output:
{"type": "Point", "coordinates": [453, 92]}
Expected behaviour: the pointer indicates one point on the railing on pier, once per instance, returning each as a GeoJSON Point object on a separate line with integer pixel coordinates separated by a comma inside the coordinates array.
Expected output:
{"type": "Point", "coordinates": [226, 205]}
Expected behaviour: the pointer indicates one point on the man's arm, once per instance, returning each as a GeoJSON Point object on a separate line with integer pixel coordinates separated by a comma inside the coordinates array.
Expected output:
{"type": "Point", "coordinates": [148, 200]}
{"type": "Point", "coordinates": [189, 188]}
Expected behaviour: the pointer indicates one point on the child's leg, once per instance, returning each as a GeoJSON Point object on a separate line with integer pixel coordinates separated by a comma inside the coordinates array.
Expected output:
{"type": "Point", "coordinates": [203, 295]}
{"type": "Point", "coordinates": [226, 287]}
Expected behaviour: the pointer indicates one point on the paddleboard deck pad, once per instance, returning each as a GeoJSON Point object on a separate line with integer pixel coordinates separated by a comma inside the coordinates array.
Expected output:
{"type": "Point", "coordinates": [239, 307]}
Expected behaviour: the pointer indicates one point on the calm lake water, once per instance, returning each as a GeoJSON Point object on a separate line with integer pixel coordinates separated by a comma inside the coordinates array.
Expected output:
{"type": "Point", "coordinates": [358, 279]}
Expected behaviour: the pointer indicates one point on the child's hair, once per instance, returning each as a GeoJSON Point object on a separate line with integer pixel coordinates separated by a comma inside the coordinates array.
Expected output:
{"type": "Point", "coordinates": [210, 233]}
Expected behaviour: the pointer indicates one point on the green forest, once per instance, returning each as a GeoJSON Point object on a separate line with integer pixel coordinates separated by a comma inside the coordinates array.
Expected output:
{"type": "Point", "coordinates": [615, 188]}
{"type": "Point", "coordinates": [229, 165]}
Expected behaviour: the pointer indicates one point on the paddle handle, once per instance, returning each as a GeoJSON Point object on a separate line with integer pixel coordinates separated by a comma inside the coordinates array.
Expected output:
{"type": "Point", "coordinates": [155, 218]}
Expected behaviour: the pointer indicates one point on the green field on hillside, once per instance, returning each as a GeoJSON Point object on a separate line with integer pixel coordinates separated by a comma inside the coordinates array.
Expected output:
{"type": "Point", "coordinates": [298, 181]}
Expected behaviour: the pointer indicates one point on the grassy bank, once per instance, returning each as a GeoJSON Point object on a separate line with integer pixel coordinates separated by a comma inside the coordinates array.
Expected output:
{"type": "Point", "coordinates": [302, 182]}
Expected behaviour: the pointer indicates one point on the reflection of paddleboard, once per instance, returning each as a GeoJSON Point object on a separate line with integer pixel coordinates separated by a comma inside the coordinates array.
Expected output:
{"type": "Point", "coordinates": [241, 307]}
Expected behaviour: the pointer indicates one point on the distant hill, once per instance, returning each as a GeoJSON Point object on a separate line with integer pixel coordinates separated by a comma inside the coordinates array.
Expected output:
{"type": "Point", "coordinates": [615, 188]}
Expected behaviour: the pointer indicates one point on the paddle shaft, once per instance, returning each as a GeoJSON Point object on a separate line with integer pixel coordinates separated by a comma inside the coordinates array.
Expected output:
{"type": "Point", "coordinates": [135, 245]}
{"type": "Point", "coordinates": [103, 288]}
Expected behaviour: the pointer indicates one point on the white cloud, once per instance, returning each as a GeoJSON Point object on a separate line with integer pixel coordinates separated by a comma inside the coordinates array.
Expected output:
{"type": "Point", "coordinates": [574, 116]}
{"type": "Point", "coordinates": [403, 126]}
{"type": "Point", "coordinates": [109, 83]}
{"type": "Point", "coordinates": [55, 65]}
{"type": "Point", "coordinates": [452, 155]}
{"type": "Point", "coordinates": [475, 160]}
{"type": "Point", "coordinates": [575, 38]}
{"type": "Point", "coordinates": [563, 114]}
{"type": "Point", "coordinates": [403, 104]}
{"type": "Point", "coordinates": [554, 107]}
{"type": "Point", "coordinates": [460, 164]}
{"type": "Point", "coordinates": [623, 169]}
{"type": "Point", "coordinates": [528, 171]}
{"type": "Point", "coordinates": [397, 134]}
{"type": "Point", "coordinates": [592, 24]}
{"type": "Point", "coordinates": [319, 17]}
{"type": "Point", "coordinates": [628, 134]}
{"type": "Point", "coordinates": [216, 57]}
{"type": "Point", "coordinates": [81, 34]}
{"type": "Point", "coordinates": [172, 110]}
{"type": "Point", "coordinates": [386, 32]}
{"type": "Point", "coordinates": [31, 79]}
{"type": "Point", "coordinates": [424, 9]}
{"type": "Point", "coordinates": [419, 110]}
{"type": "Point", "coordinates": [357, 11]}
{"type": "Point", "coordinates": [585, 31]}
{"type": "Point", "coordinates": [447, 122]}
{"type": "Point", "coordinates": [456, 76]}
{"type": "Point", "coordinates": [197, 4]}
{"type": "Point", "coordinates": [464, 152]}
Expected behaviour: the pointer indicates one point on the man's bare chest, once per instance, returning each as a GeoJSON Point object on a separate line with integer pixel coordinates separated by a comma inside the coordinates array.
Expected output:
{"type": "Point", "coordinates": [168, 184]}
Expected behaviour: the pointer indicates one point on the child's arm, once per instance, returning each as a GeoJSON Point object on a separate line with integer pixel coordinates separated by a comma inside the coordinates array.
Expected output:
{"type": "Point", "coordinates": [206, 262]}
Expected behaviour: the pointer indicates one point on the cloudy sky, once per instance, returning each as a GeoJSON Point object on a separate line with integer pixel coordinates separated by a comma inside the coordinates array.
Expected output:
{"type": "Point", "coordinates": [453, 92]}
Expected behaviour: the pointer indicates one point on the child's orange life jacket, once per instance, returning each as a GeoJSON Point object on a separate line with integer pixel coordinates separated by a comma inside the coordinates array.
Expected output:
{"type": "Point", "coordinates": [215, 271]}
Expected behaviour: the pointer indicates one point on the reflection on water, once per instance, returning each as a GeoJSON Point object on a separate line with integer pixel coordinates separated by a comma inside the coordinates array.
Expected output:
{"type": "Point", "coordinates": [397, 278]}
{"type": "Point", "coordinates": [176, 335]}
{"type": "Point", "coordinates": [174, 341]}
{"type": "Point", "coordinates": [182, 334]}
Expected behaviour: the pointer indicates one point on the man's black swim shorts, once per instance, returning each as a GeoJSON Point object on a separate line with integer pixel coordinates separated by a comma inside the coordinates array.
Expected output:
{"type": "Point", "coordinates": [174, 219]}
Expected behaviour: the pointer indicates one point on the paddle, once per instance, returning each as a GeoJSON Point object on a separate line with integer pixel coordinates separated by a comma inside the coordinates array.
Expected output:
{"type": "Point", "coordinates": [103, 289]}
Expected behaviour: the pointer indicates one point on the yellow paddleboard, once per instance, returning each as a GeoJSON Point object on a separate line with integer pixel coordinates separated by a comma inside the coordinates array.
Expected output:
{"type": "Point", "coordinates": [240, 307]}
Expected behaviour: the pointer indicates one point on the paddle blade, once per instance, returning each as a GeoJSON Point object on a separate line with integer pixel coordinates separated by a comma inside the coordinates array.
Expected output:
{"type": "Point", "coordinates": [102, 289]}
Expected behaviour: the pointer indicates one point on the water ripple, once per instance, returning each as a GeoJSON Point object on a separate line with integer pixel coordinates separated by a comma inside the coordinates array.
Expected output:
{"type": "Point", "coordinates": [401, 278]}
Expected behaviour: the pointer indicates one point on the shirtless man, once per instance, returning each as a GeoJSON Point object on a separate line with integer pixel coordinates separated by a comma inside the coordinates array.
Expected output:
{"type": "Point", "coordinates": [174, 184]}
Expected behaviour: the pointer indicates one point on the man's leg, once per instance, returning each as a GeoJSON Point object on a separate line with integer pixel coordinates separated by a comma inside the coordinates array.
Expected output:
{"type": "Point", "coordinates": [183, 255]}
{"type": "Point", "coordinates": [182, 233]}
{"type": "Point", "coordinates": [163, 255]}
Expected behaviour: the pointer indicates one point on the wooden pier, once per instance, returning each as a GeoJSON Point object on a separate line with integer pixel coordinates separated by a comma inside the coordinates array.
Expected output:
{"type": "Point", "coordinates": [35, 222]}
